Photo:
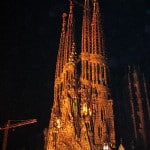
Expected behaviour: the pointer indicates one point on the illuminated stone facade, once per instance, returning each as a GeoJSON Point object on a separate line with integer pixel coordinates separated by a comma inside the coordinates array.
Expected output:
{"type": "Point", "coordinates": [82, 115]}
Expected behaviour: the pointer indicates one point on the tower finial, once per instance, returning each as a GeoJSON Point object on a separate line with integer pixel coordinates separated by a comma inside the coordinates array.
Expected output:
{"type": "Point", "coordinates": [71, 6]}
{"type": "Point", "coordinates": [96, 7]}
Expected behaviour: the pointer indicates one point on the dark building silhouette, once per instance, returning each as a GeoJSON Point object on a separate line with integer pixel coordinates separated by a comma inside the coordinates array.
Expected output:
{"type": "Point", "coordinates": [134, 111]}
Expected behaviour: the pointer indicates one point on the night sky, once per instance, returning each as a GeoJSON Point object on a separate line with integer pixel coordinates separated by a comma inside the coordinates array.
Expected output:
{"type": "Point", "coordinates": [29, 34]}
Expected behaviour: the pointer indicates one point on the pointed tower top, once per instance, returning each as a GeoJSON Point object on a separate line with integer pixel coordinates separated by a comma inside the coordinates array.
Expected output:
{"type": "Point", "coordinates": [86, 28]}
{"type": "Point", "coordinates": [96, 6]}
{"type": "Point", "coordinates": [97, 32]}
{"type": "Point", "coordinates": [86, 5]}
{"type": "Point", "coordinates": [71, 6]}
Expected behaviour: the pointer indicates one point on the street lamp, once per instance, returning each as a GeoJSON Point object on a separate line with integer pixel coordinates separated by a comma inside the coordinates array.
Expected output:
{"type": "Point", "coordinates": [106, 147]}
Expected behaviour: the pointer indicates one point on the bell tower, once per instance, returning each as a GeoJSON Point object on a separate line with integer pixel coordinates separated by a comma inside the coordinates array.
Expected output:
{"type": "Point", "coordinates": [94, 78]}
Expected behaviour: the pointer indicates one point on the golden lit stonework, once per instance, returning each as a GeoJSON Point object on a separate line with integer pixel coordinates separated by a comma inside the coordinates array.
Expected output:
{"type": "Point", "coordinates": [82, 115]}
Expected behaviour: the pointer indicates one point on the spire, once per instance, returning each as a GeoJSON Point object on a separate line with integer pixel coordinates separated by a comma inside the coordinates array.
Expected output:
{"type": "Point", "coordinates": [97, 34]}
{"type": "Point", "coordinates": [69, 40]}
{"type": "Point", "coordinates": [59, 64]}
{"type": "Point", "coordinates": [86, 41]}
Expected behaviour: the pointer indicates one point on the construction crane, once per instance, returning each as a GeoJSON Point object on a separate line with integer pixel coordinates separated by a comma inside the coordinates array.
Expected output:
{"type": "Point", "coordinates": [14, 125]}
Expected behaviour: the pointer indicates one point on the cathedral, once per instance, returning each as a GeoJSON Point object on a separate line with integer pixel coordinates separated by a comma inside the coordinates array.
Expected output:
{"type": "Point", "coordinates": [82, 115]}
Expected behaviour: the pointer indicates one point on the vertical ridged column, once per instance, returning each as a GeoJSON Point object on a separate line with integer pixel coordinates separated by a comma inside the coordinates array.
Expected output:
{"type": "Point", "coordinates": [102, 101]}
{"type": "Point", "coordinates": [59, 66]}
{"type": "Point", "coordinates": [86, 42]}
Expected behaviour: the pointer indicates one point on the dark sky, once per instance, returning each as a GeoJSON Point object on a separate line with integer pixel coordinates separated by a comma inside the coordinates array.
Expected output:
{"type": "Point", "coordinates": [30, 31]}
